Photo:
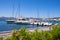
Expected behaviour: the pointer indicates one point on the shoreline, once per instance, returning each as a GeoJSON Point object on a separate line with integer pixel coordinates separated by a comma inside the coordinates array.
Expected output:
{"type": "Point", "coordinates": [4, 34]}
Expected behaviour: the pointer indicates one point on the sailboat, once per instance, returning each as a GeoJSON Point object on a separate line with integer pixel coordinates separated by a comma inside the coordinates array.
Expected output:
{"type": "Point", "coordinates": [36, 21]}
{"type": "Point", "coordinates": [20, 19]}
{"type": "Point", "coordinates": [40, 22]}
{"type": "Point", "coordinates": [10, 21]}
{"type": "Point", "coordinates": [47, 23]}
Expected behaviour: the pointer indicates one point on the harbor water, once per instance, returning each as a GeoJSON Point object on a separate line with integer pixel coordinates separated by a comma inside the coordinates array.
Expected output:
{"type": "Point", "coordinates": [7, 27]}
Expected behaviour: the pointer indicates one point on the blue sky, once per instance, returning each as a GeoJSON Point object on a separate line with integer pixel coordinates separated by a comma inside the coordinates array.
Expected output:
{"type": "Point", "coordinates": [30, 8]}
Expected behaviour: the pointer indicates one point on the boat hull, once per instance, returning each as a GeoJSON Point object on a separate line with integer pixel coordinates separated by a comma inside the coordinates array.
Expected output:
{"type": "Point", "coordinates": [10, 22]}
{"type": "Point", "coordinates": [22, 23]}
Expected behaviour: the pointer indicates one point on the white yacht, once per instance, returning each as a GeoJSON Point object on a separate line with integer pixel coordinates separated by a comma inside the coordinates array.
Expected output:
{"type": "Point", "coordinates": [23, 21]}
{"type": "Point", "coordinates": [40, 23]}
{"type": "Point", "coordinates": [34, 22]}
{"type": "Point", "coordinates": [46, 23]}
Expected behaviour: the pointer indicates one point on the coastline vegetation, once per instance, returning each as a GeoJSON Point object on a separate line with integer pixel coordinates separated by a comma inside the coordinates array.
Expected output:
{"type": "Point", "coordinates": [24, 34]}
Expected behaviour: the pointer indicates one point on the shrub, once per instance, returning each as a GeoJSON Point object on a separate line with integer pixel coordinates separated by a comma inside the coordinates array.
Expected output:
{"type": "Point", "coordinates": [24, 34]}
{"type": "Point", "coordinates": [1, 38]}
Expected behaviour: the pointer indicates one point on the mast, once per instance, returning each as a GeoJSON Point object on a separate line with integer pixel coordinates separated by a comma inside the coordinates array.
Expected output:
{"type": "Point", "coordinates": [48, 15]}
{"type": "Point", "coordinates": [49, 19]}
{"type": "Point", "coordinates": [38, 13]}
{"type": "Point", "coordinates": [17, 15]}
{"type": "Point", "coordinates": [19, 9]}
{"type": "Point", "coordinates": [13, 9]}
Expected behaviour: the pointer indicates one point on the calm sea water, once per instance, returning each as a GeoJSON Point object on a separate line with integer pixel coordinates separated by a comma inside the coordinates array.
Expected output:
{"type": "Point", "coordinates": [7, 27]}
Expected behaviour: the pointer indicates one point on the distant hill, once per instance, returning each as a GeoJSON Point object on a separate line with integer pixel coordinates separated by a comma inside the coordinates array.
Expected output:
{"type": "Point", "coordinates": [7, 18]}
{"type": "Point", "coordinates": [54, 18]}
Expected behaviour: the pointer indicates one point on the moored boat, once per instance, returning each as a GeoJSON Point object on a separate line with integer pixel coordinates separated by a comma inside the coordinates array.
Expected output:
{"type": "Point", "coordinates": [10, 21]}
{"type": "Point", "coordinates": [22, 21]}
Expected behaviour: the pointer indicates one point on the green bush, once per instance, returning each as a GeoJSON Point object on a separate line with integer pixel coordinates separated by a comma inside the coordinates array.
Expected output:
{"type": "Point", "coordinates": [1, 38]}
{"type": "Point", "coordinates": [24, 34]}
